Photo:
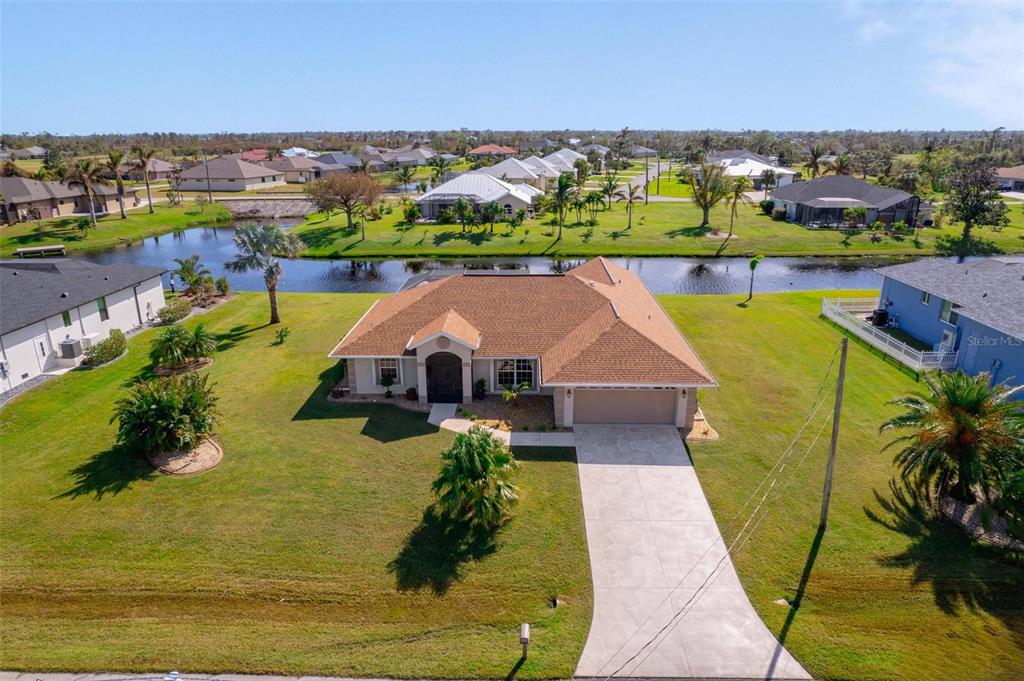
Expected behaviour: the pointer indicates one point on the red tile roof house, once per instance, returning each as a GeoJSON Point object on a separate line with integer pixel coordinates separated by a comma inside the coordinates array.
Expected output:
{"type": "Point", "coordinates": [491, 151]}
{"type": "Point", "coordinates": [594, 338]}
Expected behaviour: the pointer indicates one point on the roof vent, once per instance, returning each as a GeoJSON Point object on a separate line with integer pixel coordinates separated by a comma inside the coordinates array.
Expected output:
{"type": "Point", "coordinates": [64, 294]}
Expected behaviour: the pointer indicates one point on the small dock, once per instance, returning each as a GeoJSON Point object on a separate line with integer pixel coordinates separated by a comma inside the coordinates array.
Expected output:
{"type": "Point", "coordinates": [41, 251]}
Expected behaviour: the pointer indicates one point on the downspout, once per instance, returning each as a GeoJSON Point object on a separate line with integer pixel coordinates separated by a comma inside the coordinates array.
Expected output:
{"type": "Point", "coordinates": [138, 310]}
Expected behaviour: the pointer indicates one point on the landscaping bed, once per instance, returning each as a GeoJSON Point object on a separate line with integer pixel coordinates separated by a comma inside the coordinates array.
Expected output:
{"type": "Point", "coordinates": [533, 413]}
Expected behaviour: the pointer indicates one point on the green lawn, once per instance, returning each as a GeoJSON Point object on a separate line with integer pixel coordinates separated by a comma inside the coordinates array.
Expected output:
{"type": "Point", "coordinates": [278, 560]}
{"type": "Point", "coordinates": [658, 229]}
{"type": "Point", "coordinates": [889, 595]}
{"type": "Point", "coordinates": [670, 186]}
{"type": "Point", "coordinates": [111, 229]}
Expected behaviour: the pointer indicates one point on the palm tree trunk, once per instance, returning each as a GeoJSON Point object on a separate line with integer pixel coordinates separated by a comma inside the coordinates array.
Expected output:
{"type": "Point", "coordinates": [275, 318]}
{"type": "Point", "coordinates": [149, 194]}
{"type": "Point", "coordinates": [120, 203]}
{"type": "Point", "coordinates": [92, 205]}
{"type": "Point", "coordinates": [750, 293]}
{"type": "Point", "coordinates": [629, 216]}
{"type": "Point", "coordinates": [732, 218]}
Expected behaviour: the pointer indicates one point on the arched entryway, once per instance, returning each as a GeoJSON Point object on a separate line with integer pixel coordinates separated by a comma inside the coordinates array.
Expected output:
{"type": "Point", "coordinates": [444, 378]}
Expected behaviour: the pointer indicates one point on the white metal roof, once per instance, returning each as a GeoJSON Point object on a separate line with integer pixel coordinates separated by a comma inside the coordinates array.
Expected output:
{"type": "Point", "coordinates": [477, 187]}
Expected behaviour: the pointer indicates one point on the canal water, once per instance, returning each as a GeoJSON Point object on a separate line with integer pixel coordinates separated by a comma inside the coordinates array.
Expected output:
{"type": "Point", "coordinates": [214, 246]}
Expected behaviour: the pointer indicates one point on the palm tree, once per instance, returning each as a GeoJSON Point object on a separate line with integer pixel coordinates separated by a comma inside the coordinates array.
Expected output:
{"type": "Point", "coordinates": [257, 245]}
{"type": "Point", "coordinates": [113, 165]}
{"type": "Point", "coordinates": [440, 165]}
{"type": "Point", "coordinates": [754, 262]}
{"type": "Point", "coordinates": [202, 343]}
{"type": "Point", "coordinates": [561, 197]}
{"type": "Point", "coordinates": [463, 210]}
{"type": "Point", "coordinates": [842, 165]}
{"type": "Point", "coordinates": [740, 186]}
{"type": "Point", "coordinates": [172, 348]}
{"type": "Point", "coordinates": [87, 174]}
{"type": "Point", "coordinates": [768, 179]}
{"type": "Point", "coordinates": [815, 153]}
{"type": "Point", "coordinates": [582, 167]}
{"type": "Point", "coordinates": [490, 212]}
{"type": "Point", "coordinates": [960, 432]}
{"type": "Point", "coordinates": [191, 272]}
{"type": "Point", "coordinates": [631, 193]}
{"type": "Point", "coordinates": [144, 155]}
{"type": "Point", "coordinates": [609, 185]}
{"type": "Point", "coordinates": [578, 204]}
{"type": "Point", "coordinates": [405, 175]}
{"type": "Point", "coordinates": [473, 484]}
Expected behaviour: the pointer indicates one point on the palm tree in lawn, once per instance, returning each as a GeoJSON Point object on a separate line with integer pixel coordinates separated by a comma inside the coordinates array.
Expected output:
{"type": "Point", "coordinates": [561, 198]}
{"type": "Point", "coordinates": [88, 175]}
{"type": "Point", "coordinates": [440, 167]}
{"type": "Point", "coordinates": [257, 246]}
{"type": "Point", "coordinates": [113, 165]}
{"type": "Point", "coordinates": [960, 433]}
{"type": "Point", "coordinates": [473, 484]}
{"type": "Point", "coordinates": [405, 175]}
{"type": "Point", "coordinates": [191, 272]}
{"type": "Point", "coordinates": [740, 186]}
{"type": "Point", "coordinates": [609, 185]}
{"type": "Point", "coordinates": [842, 165]}
{"type": "Point", "coordinates": [463, 210]}
{"type": "Point", "coordinates": [490, 212]}
{"type": "Point", "coordinates": [754, 262]}
{"type": "Point", "coordinates": [582, 167]}
{"type": "Point", "coordinates": [578, 205]}
{"type": "Point", "coordinates": [630, 194]}
{"type": "Point", "coordinates": [768, 179]}
{"type": "Point", "coordinates": [144, 155]}
{"type": "Point", "coordinates": [814, 161]}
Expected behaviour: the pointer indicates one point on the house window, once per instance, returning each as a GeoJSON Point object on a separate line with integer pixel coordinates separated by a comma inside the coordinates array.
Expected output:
{"type": "Point", "coordinates": [515, 372]}
{"type": "Point", "coordinates": [926, 298]}
{"type": "Point", "coordinates": [949, 312]}
{"type": "Point", "coordinates": [101, 303]}
{"type": "Point", "coordinates": [508, 209]}
{"type": "Point", "coordinates": [66, 317]}
{"type": "Point", "coordinates": [387, 368]}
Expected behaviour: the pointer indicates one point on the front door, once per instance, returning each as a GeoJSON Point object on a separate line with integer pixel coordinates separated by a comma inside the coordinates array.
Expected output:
{"type": "Point", "coordinates": [444, 378]}
{"type": "Point", "coordinates": [42, 347]}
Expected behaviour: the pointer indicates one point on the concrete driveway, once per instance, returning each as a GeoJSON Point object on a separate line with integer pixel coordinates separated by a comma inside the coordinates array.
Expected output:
{"type": "Point", "coordinates": [653, 541]}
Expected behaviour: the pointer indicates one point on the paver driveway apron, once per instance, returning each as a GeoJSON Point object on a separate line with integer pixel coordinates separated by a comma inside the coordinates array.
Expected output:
{"type": "Point", "coordinates": [653, 541]}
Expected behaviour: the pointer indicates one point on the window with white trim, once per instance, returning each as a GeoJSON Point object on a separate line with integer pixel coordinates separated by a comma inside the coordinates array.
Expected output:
{"type": "Point", "coordinates": [949, 313]}
{"type": "Point", "coordinates": [926, 298]}
{"type": "Point", "coordinates": [514, 372]}
{"type": "Point", "coordinates": [387, 367]}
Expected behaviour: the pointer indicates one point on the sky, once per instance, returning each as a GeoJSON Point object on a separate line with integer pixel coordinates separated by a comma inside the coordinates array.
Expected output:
{"type": "Point", "coordinates": [82, 67]}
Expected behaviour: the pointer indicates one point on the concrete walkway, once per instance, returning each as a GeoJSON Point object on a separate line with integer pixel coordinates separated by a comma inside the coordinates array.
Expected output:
{"type": "Point", "coordinates": [654, 545]}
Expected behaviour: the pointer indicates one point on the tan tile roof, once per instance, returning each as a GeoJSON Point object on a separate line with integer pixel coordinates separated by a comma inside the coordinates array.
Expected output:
{"type": "Point", "coordinates": [451, 324]}
{"type": "Point", "coordinates": [1011, 173]}
{"type": "Point", "coordinates": [596, 324]}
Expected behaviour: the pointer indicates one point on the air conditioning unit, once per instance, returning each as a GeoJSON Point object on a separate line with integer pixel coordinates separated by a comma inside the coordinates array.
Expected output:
{"type": "Point", "coordinates": [70, 348]}
{"type": "Point", "coordinates": [89, 340]}
{"type": "Point", "coordinates": [4, 368]}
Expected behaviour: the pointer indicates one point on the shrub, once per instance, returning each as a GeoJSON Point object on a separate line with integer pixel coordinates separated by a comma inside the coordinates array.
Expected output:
{"type": "Point", "coordinates": [223, 286]}
{"type": "Point", "coordinates": [767, 206]}
{"type": "Point", "coordinates": [281, 336]}
{"type": "Point", "coordinates": [480, 389]}
{"type": "Point", "coordinates": [778, 214]}
{"type": "Point", "coordinates": [107, 350]}
{"type": "Point", "coordinates": [474, 482]}
{"type": "Point", "coordinates": [172, 414]}
{"type": "Point", "coordinates": [411, 214]}
{"type": "Point", "coordinates": [175, 310]}
{"type": "Point", "coordinates": [446, 216]}
{"type": "Point", "coordinates": [177, 346]}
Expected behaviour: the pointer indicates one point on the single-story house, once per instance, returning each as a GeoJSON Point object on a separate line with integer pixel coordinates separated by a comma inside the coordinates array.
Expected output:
{"type": "Point", "coordinates": [227, 174]}
{"type": "Point", "coordinates": [542, 168]}
{"type": "Point", "coordinates": [975, 309]}
{"type": "Point", "coordinates": [478, 189]}
{"type": "Point", "coordinates": [296, 168]}
{"type": "Point", "coordinates": [29, 152]}
{"type": "Point", "coordinates": [821, 202]}
{"type": "Point", "coordinates": [53, 309]}
{"type": "Point", "coordinates": [26, 199]}
{"type": "Point", "coordinates": [539, 144]}
{"type": "Point", "coordinates": [598, 149]}
{"type": "Point", "coordinates": [1011, 179]}
{"type": "Point", "coordinates": [514, 171]}
{"type": "Point", "coordinates": [640, 151]}
{"type": "Point", "coordinates": [491, 151]}
{"type": "Point", "coordinates": [594, 338]}
{"type": "Point", "coordinates": [743, 163]}
{"type": "Point", "coordinates": [298, 151]}
{"type": "Point", "coordinates": [340, 158]}
{"type": "Point", "coordinates": [159, 169]}
{"type": "Point", "coordinates": [255, 155]}
{"type": "Point", "coordinates": [418, 156]}
{"type": "Point", "coordinates": [563, 160]}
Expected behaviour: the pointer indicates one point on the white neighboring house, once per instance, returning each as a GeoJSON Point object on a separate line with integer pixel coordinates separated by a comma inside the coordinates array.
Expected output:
{"type": "Point", "coordinates": [298, 151]}
{"type": "Point", "coordinates": [53, 309]}
{"type": "Point", "coordinates": [563, 160]}
{"type": "Point", "coordinates": [743, 163]}
{"type": "Point", "coordinates": [542, 168]}
{"type": "Point", "coordinates": [478, 189]}
{"type": "Point", "coordinates": [514, 171]}
{"type": "Point", "coordinates": [227, 174]}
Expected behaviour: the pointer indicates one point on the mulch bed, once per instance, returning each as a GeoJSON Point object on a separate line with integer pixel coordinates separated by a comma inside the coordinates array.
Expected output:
{"type": "Point", "coordinates": [204, 457]}
{"type": "Point", "coordinates": [969, 518]}
{"type": "Point", "coordinates": [396, 401]}
{"type": "Point", "coordinates": [187, 368]}
{"type": "Point", "coordinates": [532, 412]}
{"type": "Point", "coordinates": [701, 431]}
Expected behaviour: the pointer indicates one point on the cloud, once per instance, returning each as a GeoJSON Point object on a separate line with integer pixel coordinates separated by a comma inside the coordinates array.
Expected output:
{"type": "Point", "coordinates": [871, 31]}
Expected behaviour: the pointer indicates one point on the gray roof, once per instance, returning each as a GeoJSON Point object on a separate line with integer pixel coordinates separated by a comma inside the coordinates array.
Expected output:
{"type": "Point", "coordinates": [990, 291]}
{"type": "Point", "coordinates": [34, 290]}
{"type": "Point", "coordinates": [737, 153]}
{"type": "Point", "coordinates": [224, 168]}
{"type": "Point", "coordinates": [23, 190]}
{"type": "Point", "coordinates": [339, 158]}
{"type": "Point", "coordinates": [836, 190]}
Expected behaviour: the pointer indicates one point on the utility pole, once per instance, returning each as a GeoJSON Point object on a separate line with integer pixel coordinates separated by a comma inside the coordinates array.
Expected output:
{"type": "Point", "coordinates": [206, 164]}
{"type": "Point", "coordinates": [658, 179]}
{"type": "Point", "coordinates": [647, 163]}
{"type": "Point", "coordinates": [830, 467]}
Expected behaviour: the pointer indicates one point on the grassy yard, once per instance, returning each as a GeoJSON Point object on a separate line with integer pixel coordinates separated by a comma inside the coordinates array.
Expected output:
{"type": "Point", "coordinates": [888, 594]}
{"type": "Point", "coordinates": [111, 229]}
{"type": "Point", "coordinates": [658, 229]}
{"type": "Point", "coordinates": [670, 186]}
{"type": "Point", "coordinates": [304, 552]}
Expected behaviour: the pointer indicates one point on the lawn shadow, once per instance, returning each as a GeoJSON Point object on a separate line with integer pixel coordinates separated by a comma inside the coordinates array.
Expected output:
{"type": "Point", "coordinates": [235, 335]}
{"type": "Point", "coordinates": [796, 600]}
{"type": "Point", "coordinates": [474, 237]}
{"type": "Point", "coordinates": [688, 232]}
{"type": "Point", "coordinates": [319, 237]}
{"type": "Point", "coordinates": [109, 472]}
{"type": "Point", "coordinates": [436, 552]}
{"type": "Point", "coordinates": [384, 422]}
{"type": "Point", "coordinates": [946, 244]}
{"type": "Point", "coordinates": [963, 574]}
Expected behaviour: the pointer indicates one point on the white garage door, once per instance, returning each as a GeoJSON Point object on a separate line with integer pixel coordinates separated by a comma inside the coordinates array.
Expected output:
{"type": "Point", "coordinates": [624, 406]}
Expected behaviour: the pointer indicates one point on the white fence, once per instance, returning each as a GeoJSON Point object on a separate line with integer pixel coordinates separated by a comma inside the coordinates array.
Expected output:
{"type": "Point", "coordinates": [848, 313]}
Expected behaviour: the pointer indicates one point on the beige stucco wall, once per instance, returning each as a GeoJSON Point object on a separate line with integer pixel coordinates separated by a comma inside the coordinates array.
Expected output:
{"type": "Point", "coordinates": [363, 376]}
{"type": "Point", "coordinates": [227, 185]}
{"type": "Point", "coordinates": [459, 350]}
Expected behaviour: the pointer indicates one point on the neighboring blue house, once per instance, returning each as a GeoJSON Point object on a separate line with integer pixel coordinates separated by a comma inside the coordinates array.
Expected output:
{"type": "Point", "coordinates": [975, 309]}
